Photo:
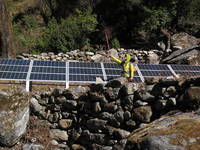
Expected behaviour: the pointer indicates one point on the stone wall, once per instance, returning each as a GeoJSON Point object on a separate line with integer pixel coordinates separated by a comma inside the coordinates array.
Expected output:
{"type": "Point", "coordinates": [103, 116]}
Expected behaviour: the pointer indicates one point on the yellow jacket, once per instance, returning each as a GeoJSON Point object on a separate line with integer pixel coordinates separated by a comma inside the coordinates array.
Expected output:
{"type": "Point", "coordinates": [128, 67]}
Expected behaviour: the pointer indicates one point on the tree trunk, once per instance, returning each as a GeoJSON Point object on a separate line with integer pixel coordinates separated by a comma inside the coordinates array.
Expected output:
{"type": "Point", "coordinates": [6, 43]}
{"type": "Point", "coordinates": [168, 35]}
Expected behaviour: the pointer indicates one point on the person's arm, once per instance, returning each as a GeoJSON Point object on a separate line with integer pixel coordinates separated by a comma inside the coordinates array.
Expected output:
{"type": "Point", "coordinates": [116, 59]}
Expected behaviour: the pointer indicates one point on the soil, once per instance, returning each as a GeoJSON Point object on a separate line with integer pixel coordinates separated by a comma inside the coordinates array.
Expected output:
{"type": "Point", "coordinates": [37, 133]}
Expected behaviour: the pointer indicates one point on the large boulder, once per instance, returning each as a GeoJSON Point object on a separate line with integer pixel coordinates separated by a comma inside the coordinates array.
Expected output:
{"type": "Point", "coordinates": [174, 131]}
{"type": "Point", "coordinates": [191, 98]}
{"type": "Point", "coordinates": [143, 113]}
{"type": "Point", "coordinates": [14, 116]}
{"type": "Point", "coordinates": [153, 58]}
{"type": "Point", "coordinates": [113, 52]}
{"type": "Point", "coordinates": [183, 40]}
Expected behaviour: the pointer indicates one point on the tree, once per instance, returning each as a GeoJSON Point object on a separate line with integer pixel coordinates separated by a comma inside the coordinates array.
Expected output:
{"type": "Point", "coordinates": [72, 33]}
{"type": "Point", "coordinates": [6, 44]}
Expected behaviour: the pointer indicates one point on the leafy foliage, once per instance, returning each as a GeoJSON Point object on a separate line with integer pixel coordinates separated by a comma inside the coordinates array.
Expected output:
{"type": "Point", "coordinates": [71, 33]}
{"type": "Point", "coordinates": [74, 24]}
{"type": "Point", "coordinates": [115, 43]}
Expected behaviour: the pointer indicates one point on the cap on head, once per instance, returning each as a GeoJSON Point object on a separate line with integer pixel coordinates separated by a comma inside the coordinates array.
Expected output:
{"type": "Point", "coordinates": [133, 59]}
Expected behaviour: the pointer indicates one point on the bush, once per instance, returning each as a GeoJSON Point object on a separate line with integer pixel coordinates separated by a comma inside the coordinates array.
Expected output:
{"type": "Point", "coordinates": [115, 43]}
{"type": "Point", "coordinates": [72, 33]}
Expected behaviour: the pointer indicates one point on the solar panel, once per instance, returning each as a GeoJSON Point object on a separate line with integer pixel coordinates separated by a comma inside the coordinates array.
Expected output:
{"type": "Point", "coordinates": [84, 65]}
{"type": "Point", "coordinates": [116, 72]}
{"type": "Point", "coordinates": [12, 75]}
{"type": "Point", "coordinates": [112, 65]}
{"type": "Point", "coordinates": [10, 68]}
{"type": "Point", "coordinates": [52, 71]}
{"type": "Point", "coordinates": [156, 73]}
{"type": "Point", "coordinates": [14, 62]}
{"type": "Point", "coordinates": [49, 70]}
{"type": "Point", "coordinates": [81, 78]}
{"type": "Point", "coordinates": [86, 71]}
{"type": "Point", "coordinates": [190, 73]}
{"type": "Point", "coordinates": [152, 67]}
{"type": "Point", "coordinates": [49, 63]}
{"type": "Point", "coordinates": [185, 67]}
{"type": "Point", "coordinates": [47, 77]}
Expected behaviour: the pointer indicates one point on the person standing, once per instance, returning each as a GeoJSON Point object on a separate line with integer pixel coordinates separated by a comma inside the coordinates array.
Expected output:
{"type": "Point", "coordinates": [128, 66]}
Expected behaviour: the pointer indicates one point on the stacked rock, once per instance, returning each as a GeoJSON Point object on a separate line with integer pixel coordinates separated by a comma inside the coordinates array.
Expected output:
{"type": "Point", "coordinates": [102, 116]}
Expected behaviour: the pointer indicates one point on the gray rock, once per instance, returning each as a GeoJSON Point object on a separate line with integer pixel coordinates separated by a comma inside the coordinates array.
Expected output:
{"type": "Point", "coordinates": [106, 116]}
{"type": "Point", "coordinates": [60, 99]}
{"type": "Point", "coordinates": [99, 88]}
{"type": "Point", "coordinates": [119, 116]}
{"type": "Point", "coordinates": [170, 91]}
{"type": "Point", "coordinates": [113, 52]}
{"type": "Point", "coordinates": [131, 123]}
{"type": "Point", "coordinates": [78, 147]}
{"type": "Point", "coordinates": [97, 107]}
{"type": "Point", "coordinates": [65, 123]}
{"type": "Point", "coordinates": [127, 102]}
{"type": "Point", "coordinates": [74, 93]}
{"type": "Point", "coordinates": [43, 101]}
{"type": "Point", "coordinates": [127, 115]}
{"type": "Point", "coordinates": [153, 58]}
{"type": "Point", "coordinates": [14, 116]}
{"type": "Point", "coordinates": [32, 147]}
{"type": "Point", "coordinates": [160, 105]}
{"type": "Point", "coordinates": [53, 118]}
{"type": "Point", "coordinates": [89, 53]}
{"type": "Point", "coordinates": [57, 92]}
{"type": "Point", "coordinates": [100, 147]}
{"type": "Point", "coordinates": [191, 98]}
{"type": "Point", "coordinates": [118, 133]}
{"type": "Point", "coordinates": [143, 113]}
{"type": "Point", "coordinates": [184, 40]}
{"type": "Point", "coordinates": [117, 83]}
{"type": "Point", "coordinates": [111, 94]}
{"type": "Point", "coordinates": [59, 135]}
{"type": "Point", "coordinates": [54, 142]}
{"type": "Point", "coordinates": [110, 107]}
{"type": "Point", "coordinates": [120, 145]}
{"type": "Point", "coordinates": [159, 143]}
{"type": "Point", "coordinates": [127, 89]}
{"type": "Point", "coordinates": [97, 58]}
{"type": "Point", "coordinates": [140, 103]}
{"type": "Point", "coordinates": [96, 97]}
{"type": "Point", "coordinates": [171, 102]}
{"type": "Point", "coordinates": [96, 124]}
{"type": "Point", "coordinates": [70, 105]}
{"type": "Point", "coordinates": [143, 95]}
{"type": "Point", "coordinates": [37, 108]}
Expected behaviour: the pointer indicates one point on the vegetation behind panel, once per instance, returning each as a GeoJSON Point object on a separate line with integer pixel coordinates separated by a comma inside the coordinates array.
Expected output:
{"type": "Point", "coordinates": [60, 25]}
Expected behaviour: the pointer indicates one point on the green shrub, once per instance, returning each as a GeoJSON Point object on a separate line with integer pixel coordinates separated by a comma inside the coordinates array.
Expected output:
{"type": "Point", "coordinates": [115, 43]}
{"type": "Point", "coordinates": [72, 33]}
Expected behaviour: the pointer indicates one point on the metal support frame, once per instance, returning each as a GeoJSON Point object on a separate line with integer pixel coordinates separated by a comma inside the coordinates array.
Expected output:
{"type": "Point", "coordinates": [104, 72]}
{"type": "Point", "coordinates": [173, 72]}
{"type": "Point", "coordinates": [28, 76]}
{"type": "Point", "coordinates": [67, 76]}
{"type": "Point", "coordinates": [139, 73]}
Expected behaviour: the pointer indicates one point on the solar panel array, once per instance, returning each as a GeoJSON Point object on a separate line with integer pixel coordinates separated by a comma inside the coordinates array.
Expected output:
{"type": "Point", "coordinates": [29, 70]}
